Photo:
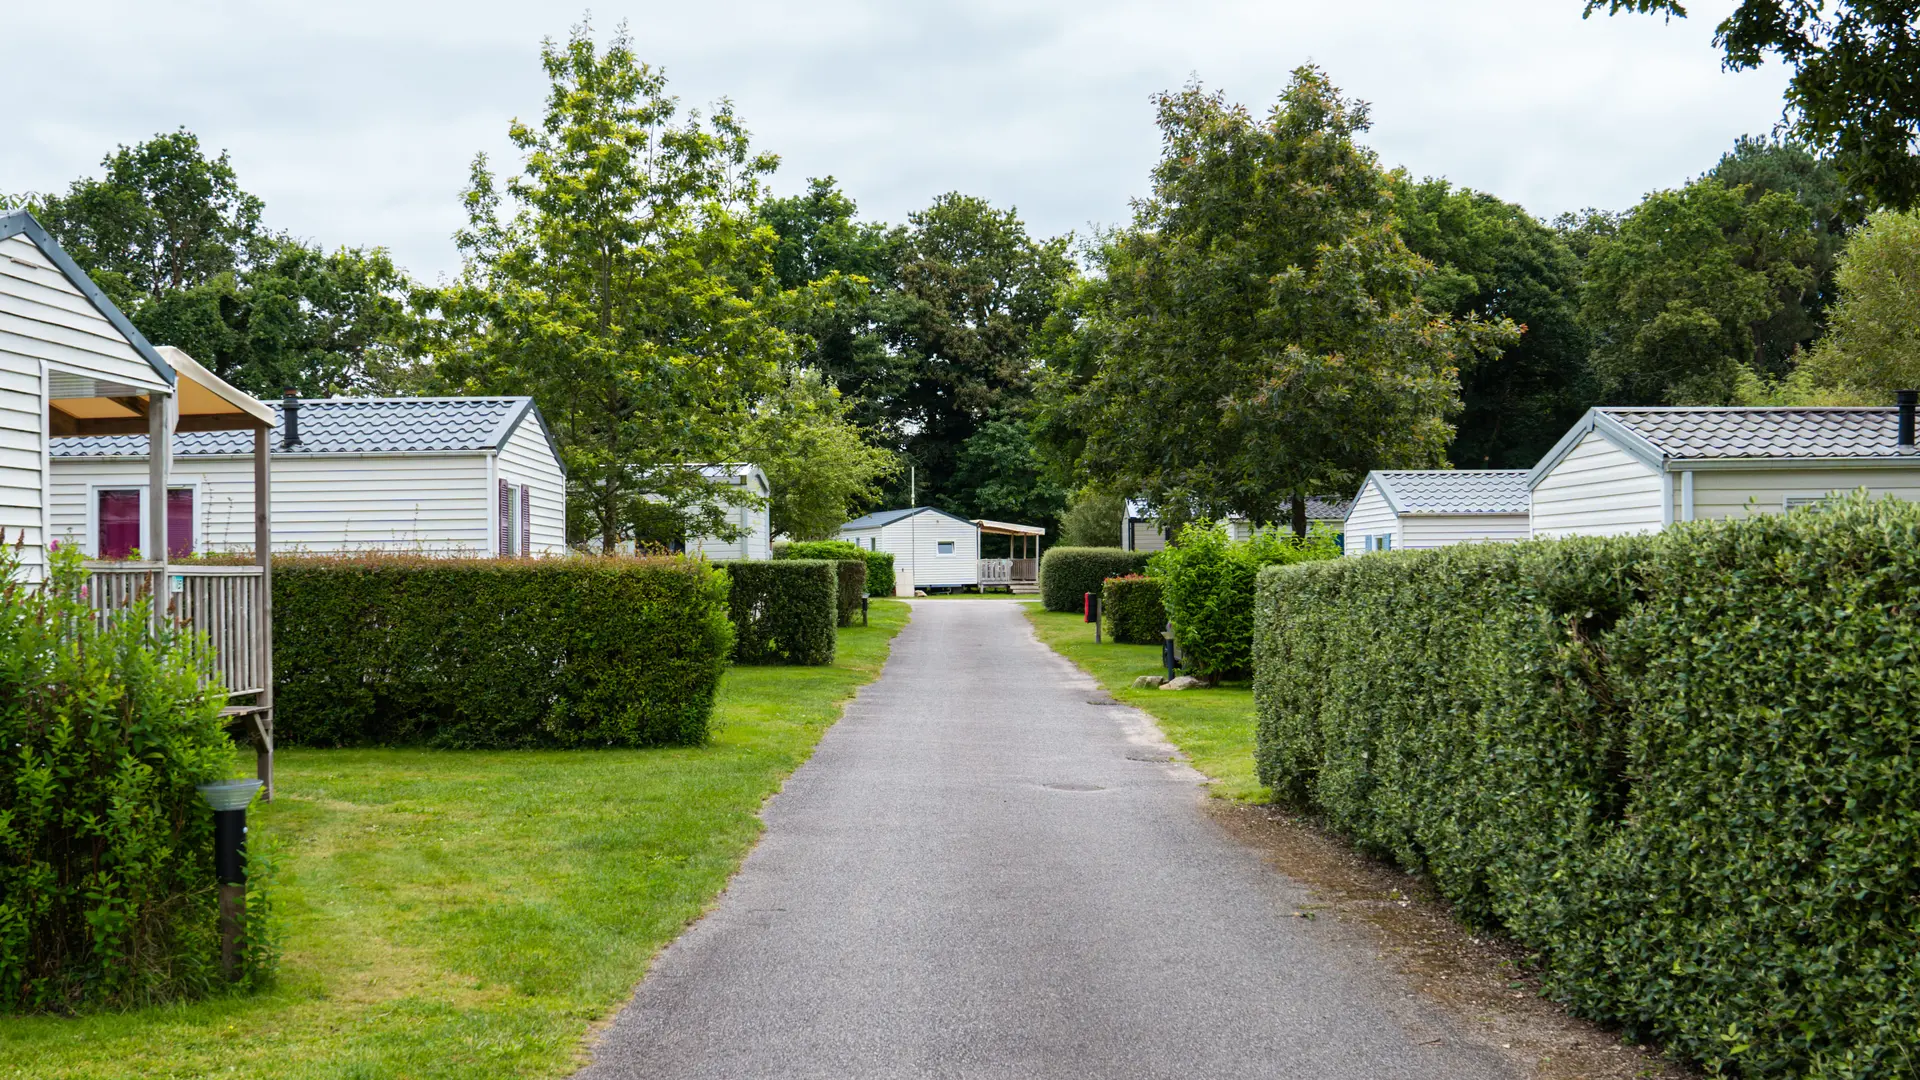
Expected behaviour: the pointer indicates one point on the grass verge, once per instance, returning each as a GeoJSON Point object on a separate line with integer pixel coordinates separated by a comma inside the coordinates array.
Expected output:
{"type": "Point", "coordinates": [471, 914]}
{"type": "Point", "coordinates": [1212, 726]}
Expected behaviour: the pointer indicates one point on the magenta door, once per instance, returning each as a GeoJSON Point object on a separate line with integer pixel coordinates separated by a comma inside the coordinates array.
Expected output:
{"type": "Point", "coordinates": [180, 522]}
{"type": "Point", "coordinates": [120, 522]}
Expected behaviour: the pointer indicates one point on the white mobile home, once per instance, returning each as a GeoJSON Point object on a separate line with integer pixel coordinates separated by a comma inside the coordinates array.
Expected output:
{"type": "Point", "coordinates": [932, 549]}
{"type": "Point", "coordinates": [1430, 508]}
{"type": "Point", "coordinates": [445, 476]}
{"type": "Point", "coordinates": [1626, 470]}
{"type": "Point", "coordinates": [1142, 532]}
{"type": "Point", "coordinates": [756, 542]}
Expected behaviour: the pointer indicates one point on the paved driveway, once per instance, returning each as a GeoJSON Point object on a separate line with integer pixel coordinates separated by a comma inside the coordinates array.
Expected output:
{"type": "Point", "coordinates": [986, 872]}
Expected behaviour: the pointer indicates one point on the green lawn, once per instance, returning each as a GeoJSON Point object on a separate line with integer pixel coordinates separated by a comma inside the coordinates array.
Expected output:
{"type": "Point", "coordinates": [1213, 727]}
{"type": "Point", "coordinates": [470, 914]}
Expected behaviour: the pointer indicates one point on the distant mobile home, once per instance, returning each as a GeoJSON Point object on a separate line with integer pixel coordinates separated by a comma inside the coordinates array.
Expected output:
{"type": "Point", "coordinates": [756, 539]}
{"type": "Point", "coordinates": [1628, 470]}
{"type": "Point", "coordinates": [931, 548]}
{"type": "Point", "coordinates": [1141, 532]}
{"type": "Point", "coordinates": [444, 476]}
{"type": "Point", "coordinates": [1430, 508]}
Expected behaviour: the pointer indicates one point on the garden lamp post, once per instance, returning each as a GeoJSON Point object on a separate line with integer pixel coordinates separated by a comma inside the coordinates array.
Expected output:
{"type": "Point", "coordinates": [229, 799]}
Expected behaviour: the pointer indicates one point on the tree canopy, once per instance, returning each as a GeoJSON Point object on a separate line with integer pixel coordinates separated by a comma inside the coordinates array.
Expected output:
{"type": "Point", "coordinates": [1853, 95]}
{"type": "Point", "coordinates": [1873, 346]}
{"type": "Point", "coordinates": [1260, 330]}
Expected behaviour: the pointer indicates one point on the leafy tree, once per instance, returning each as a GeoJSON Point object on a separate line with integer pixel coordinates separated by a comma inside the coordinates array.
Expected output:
{"type": "Point", "coordinates": [630, 292]}
{"type": "Point", "coordinates": [818, 463]}
{"type": "Point", "coordinates": [820, 239]}
{"type": "Point", "coordinates": [1093, 520]}
{"type": "Point", "coordinates": [1494, 260]}
{"type": "Point", "coordinates": [1872, 347]}
{"type": "Point", "coordinates": [1769, 165]}
{"type": "Point", "coordinates": [998, 475]}
{"type": "Point", "coordinates": [1852, 95]}
{"type": "Point", "coordinates": [1262, 329]}
{"type": "Point", "coordinates": [1679, 294]}
{"type": "Point", "coordinates": [171, 237]}
{"type": "Point", "coordinates": [972, 291]}
{"type": "Point", "coordinates": [164, 218]}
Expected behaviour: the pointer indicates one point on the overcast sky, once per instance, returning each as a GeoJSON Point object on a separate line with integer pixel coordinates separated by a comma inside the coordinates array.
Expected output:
{"type": "Point", "coordinates": [356, 119]}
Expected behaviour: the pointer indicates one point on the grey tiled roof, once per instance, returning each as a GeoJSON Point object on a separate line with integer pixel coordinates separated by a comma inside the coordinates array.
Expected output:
{"type": "Point", "coordinates": [1701, 433]}
{"type": "Point", "coordinates": [1457, 491]}
{"type": "Point", "coordinates": [344, 426]}
{"type": "Point", "coordinates": [887, 517]}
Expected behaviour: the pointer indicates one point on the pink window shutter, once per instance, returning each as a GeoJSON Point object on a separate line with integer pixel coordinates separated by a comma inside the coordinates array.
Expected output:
{"type": "Point", "coordinates": [526, 521]}
{"type": "Point", "coordinates": [506, 521]}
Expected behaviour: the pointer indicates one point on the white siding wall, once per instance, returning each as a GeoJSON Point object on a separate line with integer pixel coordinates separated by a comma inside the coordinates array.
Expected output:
{"type": "Point", "coordinates": [915, 543]}
{"type": "Point", "coordinates": [756, 543]}
{"type": "Point", "coordinates": [1370, 516]}
{"type": "Point", "coordinates": [528, 459]}
{"type": "Point", "coordinates": [1597, 490]}
{"type": "Point", "coordinates": [23, 459]}
{"type": "Point", "coordinates": [43, 316]}
{"type": "Point", "coordinates": [1723, 493]}
{"type": "Point", "coordinates": [1146, 535]}
{"type": "Point", "coordinates": [415, 502]}
{"type": "Point", "coordinates": [1441, 530]}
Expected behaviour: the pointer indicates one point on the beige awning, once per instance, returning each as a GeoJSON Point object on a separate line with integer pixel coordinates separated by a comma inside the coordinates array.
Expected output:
{"type": "Point", "coordinates": [210, 403]}
{"type": "Point", "coordinates": [1003, 528]}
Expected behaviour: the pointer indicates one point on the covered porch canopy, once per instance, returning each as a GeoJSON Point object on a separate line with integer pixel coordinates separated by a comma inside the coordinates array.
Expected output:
{"type": "Point", "coordinates": [231, 605]}
{"type": "Point", "coordinates": [1023, 544]}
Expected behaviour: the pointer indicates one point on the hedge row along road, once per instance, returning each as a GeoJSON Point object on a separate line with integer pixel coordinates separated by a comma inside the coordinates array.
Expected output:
{"type": "Point", "coordinates": [990, 869]}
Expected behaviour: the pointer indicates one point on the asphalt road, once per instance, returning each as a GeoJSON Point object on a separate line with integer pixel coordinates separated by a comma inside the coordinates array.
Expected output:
{"type": "Point", "coordinates": [985, 872]}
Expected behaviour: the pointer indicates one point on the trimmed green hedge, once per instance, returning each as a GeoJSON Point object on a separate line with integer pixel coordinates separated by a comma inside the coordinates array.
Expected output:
{"type": "Point", "coordinates": [1130, 610]}
{"type": "Point", "coordinates": [496, 653]}
{"type": "Point", "coordinates": [1679, 769]}
{"type": "Point", "coordinates": [784, 611]}
{"type": "Point", "coordinates": [107, 889]}
{"type": "Point", "coordinates": [880, 580]}
{"type": "Point", "coordinates": [1067, 574]}
{"type": "Point", "coordinates": [853, 564]}
{"type": "Point", "coordinates": [1208, 582]}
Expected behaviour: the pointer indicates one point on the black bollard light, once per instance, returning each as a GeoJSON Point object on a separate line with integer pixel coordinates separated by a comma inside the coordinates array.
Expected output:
{"type": "Point", "coordinates": [229, 799]}
{"type": "Point", "coordinates": [1092, 601]}
{"type": "Point", "coordinates": [863, 611]}
{"type": "Point", "coordinates": [1166, 650]}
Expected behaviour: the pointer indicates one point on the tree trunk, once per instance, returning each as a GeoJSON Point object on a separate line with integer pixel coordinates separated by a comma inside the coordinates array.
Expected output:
{"type": "Point", "coordinates": [1299, 515]}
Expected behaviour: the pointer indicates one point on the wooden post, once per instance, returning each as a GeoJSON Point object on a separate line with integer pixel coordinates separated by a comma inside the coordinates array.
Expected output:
{"type": "Point", "coordinates": [263, 638]}
{"type": "Point", "coordinates": [159, 456]}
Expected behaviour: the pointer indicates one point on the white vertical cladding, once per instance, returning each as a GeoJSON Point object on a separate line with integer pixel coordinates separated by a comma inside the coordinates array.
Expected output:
{"type": "Point", "coordinates": [1370, 516]}
{"type": "Point", "coordinates": [1599, 489]}
{"type": "Point", "coordinates": [23, 438]}
{"type": "Point", "coordinates": [430, 503]}
{"type": "Point", "coordinates": [527, 459]}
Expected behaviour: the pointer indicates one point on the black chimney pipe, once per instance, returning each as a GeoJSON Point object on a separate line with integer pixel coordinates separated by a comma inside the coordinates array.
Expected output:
{"type": "Point", "coordinates": [1907, 400]}
{"type": "Point", "coordinates": [290, 409]}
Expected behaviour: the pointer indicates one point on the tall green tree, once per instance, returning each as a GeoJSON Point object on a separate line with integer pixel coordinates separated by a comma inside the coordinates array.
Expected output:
{"type": "Point", "coordinates": [630, 291]}
{"type": "Point", "coordinates": [821, 240]}
{"type": "Point", "coordinates": [1680, 292]}
{"type": "Point", "coordinates": [1853, 94]}
{"type": "Point", "coordinates": [999, 475]}
{"type": "Point", "coordinates": [1873, 345]}
{"type": "Point", "coordinates": [1494, 260]}
{"type": "Point", "coordinates": [819, 464]}
{"type": "Point", "coordinates": [171, 236]}
{"type": "Point", "coordinates": [973, 290]}
{"type": "Point", "coordinates": [1262, 331]}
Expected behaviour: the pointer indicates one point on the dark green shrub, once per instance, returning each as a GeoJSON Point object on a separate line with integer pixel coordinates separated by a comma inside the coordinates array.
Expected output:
{"type": "Point", "coordinates": [107, 890]}
{"type": "Point", "coordinates": [1130, 610]}
{"type": "Point", "coordinates": [854, 569]}
{"type": "Point", "coordinates": [1208, 582]}
{"type": "Point", "coordinates": [1067, 574]}
{"type": "Point", "coordinates": [496, 653]}
{"type": "Point", "coordinates": [1678, 769]}
{"type": "Point", "coordinates": [784, 611]}
{"type": "Point", "coordinates": [880, 580]}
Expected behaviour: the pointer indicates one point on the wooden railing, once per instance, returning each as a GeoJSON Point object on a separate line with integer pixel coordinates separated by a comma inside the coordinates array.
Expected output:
{"type": "Point", "coordinates": [996, 572]}
{"type": "Point", "coordinates": [1025, 571]}
{"type": "Point", "coordinates": [222, 602]}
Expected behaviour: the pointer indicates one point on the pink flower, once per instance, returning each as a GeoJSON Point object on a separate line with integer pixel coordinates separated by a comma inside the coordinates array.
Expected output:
{"type": "Point", "coordinates": [55, 546]}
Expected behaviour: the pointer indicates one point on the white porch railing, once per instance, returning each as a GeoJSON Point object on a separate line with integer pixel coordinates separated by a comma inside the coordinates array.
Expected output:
{"type": "Point", "coordinates": [996, 572]}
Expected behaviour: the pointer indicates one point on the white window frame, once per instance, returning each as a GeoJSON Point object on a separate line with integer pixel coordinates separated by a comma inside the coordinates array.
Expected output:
{"type": "Point", "coordinates": [946, 547]}
{"type": "Point", "coordinates": [90, 543]}
{"type": "Point", "coordinates": [1380, 542]}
